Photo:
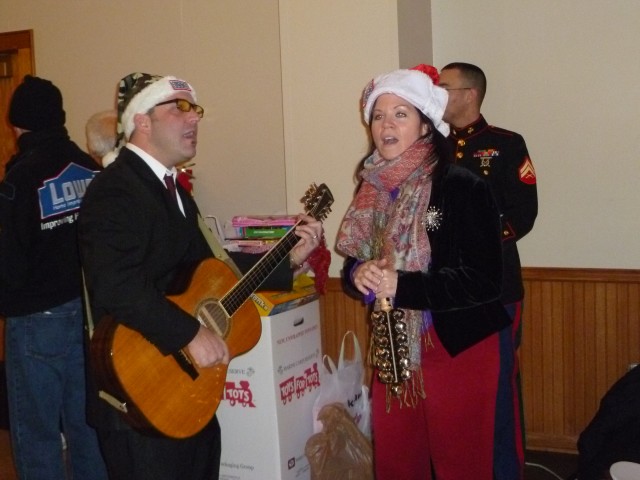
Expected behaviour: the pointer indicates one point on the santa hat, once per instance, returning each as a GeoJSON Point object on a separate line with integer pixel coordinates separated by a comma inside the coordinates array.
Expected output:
{"type": "Point", "coordinates": [140, 92]}
{"type": "Point", "coordinates": [417, 86]}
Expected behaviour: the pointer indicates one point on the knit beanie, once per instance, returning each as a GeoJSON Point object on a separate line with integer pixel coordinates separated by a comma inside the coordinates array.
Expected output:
{"type": "Point", "coordinates": [36, 104]}
{"type": "Point", "coordinates": [417, 86]}
{"type": "Point", "coordinates": [140, 92]}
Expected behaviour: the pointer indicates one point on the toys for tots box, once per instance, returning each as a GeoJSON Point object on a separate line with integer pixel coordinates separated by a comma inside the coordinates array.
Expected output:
{"type": "Point", "coordinates": [266, 410]}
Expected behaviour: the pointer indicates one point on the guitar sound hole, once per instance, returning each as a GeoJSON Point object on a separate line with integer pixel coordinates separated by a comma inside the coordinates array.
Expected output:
{"type": "Point", "coordinates": [213, 316]}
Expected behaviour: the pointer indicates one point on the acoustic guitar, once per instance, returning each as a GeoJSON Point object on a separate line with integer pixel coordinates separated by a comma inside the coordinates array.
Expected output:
{"type": "Point", "coordinates": [168, 394]}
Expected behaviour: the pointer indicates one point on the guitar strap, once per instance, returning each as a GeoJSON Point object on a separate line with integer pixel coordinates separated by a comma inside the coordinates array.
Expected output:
{"type": "Point", "coordinates": [87, 306]}
{"type": "Point", "coordinates": [107, 397]}
{"type": "Point", "coordinates": [218, 251]}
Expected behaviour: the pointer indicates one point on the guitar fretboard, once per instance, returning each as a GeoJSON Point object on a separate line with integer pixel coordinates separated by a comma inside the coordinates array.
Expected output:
{"type": "Point", "coordinates": [239, 294]}
{"type": "Point", "coordinates": [317, 202]}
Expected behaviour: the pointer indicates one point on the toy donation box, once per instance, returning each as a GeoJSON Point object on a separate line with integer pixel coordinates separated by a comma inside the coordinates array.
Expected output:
{"type": "Point", "coordinates": [266, 411]}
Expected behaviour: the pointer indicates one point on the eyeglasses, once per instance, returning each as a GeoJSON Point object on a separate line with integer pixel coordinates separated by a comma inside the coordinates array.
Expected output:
{"type": "Point", "coordinates": [460, 88]}
{"type": "Point", "coordinates": [184, 106]}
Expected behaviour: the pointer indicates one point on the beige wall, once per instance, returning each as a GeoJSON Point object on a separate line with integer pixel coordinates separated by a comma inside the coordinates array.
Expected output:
{"type": "Point", "coordinates": [327, 60]}
{"type": "Point", "coordinates": [229, 51]}
{"type": "Point", "coordinates": [414, 33]}
{"type": "Point", "coordinates": [565, 75]}
{"type": "Point", "coordinates": [281, 79]}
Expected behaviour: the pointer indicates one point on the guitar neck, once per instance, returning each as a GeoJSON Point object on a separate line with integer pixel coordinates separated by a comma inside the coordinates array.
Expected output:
{"type": "Point", "coordinates": [317, 201]}
{"type": "Point", "coordinates": [252, 280]}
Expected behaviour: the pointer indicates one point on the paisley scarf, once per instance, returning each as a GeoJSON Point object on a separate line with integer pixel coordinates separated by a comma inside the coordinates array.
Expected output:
{"type": "Point", "coordinates": [386, 220]}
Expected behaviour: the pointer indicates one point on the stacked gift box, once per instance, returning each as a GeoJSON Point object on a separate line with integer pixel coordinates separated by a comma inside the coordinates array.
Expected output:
{"type": "Point", "coordinates": [257, 232]}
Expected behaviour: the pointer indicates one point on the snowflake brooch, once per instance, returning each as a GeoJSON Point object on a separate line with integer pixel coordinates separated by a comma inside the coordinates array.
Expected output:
{"type": "Point", "coordinates": [432, 219]}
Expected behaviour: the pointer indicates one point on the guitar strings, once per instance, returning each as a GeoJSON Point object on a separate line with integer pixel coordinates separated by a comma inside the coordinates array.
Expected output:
{"type": "Point", "coordinates": [252, 280]}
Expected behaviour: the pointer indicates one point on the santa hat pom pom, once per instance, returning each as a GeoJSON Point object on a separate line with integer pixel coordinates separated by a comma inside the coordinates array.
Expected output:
{"type": "Point", "coordinates": [429, 70]}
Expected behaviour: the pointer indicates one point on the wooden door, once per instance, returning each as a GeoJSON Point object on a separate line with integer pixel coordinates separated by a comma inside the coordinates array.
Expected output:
{"type": "Point", "coordinates": [16, 61]}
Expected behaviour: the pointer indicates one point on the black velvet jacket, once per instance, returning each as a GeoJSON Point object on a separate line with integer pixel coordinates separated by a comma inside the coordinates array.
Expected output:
{"type": "Point", "coordinates": [462, 286]}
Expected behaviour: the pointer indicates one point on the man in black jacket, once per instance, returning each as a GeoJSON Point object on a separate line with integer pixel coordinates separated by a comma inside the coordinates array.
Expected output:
{"type": "Point", "coordinates": [41, 289]}
{"type": "Point", "coordinates": [136, 237]}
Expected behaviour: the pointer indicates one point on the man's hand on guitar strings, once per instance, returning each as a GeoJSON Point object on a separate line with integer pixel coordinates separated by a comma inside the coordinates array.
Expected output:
{"type": "Point", "coordinates": [208, 349]}
{"type": "Point", "coordinates": [310, 232]}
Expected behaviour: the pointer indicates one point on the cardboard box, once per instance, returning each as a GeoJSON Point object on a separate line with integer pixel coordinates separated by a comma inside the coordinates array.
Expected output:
{"type": "Point", "coordinates": [272, 303]}
{"type": "Point", "coordinates": [266, 411]}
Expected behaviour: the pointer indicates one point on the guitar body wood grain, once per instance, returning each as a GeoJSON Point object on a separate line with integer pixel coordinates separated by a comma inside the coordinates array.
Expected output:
{"type": "Point", "coordinates": [134, 371]}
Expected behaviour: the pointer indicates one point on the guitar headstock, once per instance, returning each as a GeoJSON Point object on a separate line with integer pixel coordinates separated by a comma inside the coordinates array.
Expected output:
{"type": "Point", "coordinates": [317, 201]}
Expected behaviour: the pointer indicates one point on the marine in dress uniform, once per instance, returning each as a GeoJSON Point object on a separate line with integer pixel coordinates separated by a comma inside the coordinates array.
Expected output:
{"type": "Point", "coordinates": [500, 157]}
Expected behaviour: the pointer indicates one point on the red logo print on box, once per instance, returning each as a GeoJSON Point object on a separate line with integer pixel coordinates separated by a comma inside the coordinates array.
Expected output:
{"type": "Point", "coordinates": [239, 394]}
{"type": "Point", "coordinates": [299, 385]}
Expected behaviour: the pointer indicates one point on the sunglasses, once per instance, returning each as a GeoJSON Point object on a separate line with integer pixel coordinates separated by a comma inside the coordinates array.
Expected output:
{"type": "Point", "coordinates": [184, 106]}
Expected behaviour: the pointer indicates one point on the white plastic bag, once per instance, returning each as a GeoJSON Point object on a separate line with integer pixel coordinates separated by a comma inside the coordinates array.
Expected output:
{"type": "Point", "coordinates": [343, 384]}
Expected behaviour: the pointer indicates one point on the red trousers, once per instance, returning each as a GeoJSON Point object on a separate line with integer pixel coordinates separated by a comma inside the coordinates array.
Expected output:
{"type": "Point", "coordinates": [452, 430]}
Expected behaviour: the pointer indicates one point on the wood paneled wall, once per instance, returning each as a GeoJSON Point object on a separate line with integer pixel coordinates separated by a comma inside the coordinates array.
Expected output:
{"type": "Point", "coordinates": [581, 330]}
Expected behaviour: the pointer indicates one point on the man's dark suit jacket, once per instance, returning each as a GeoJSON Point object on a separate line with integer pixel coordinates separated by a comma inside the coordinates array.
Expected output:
{"type": "Point", "coordinates": [134, 241]}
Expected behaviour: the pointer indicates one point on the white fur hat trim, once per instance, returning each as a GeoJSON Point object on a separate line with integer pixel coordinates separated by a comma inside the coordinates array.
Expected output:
{"type": "Point", "coordinates": [150, 96]}
{"type": "Point", "coordinates": [415, 87]}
